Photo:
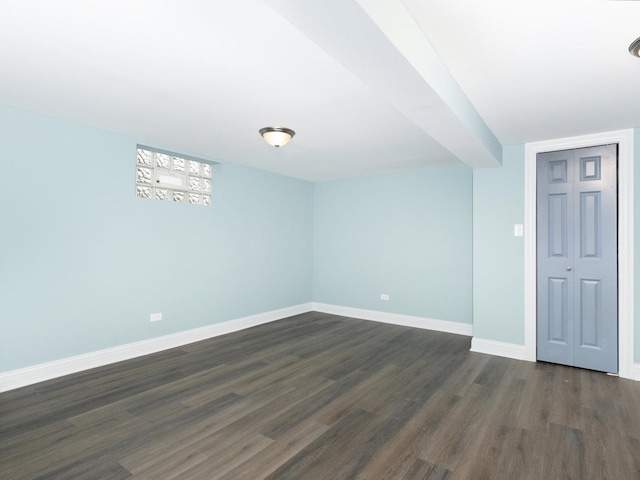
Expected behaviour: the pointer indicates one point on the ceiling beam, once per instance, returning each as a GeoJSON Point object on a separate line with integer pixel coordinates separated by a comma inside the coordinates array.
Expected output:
{"type": "Point", "coordinates": [380, 43]}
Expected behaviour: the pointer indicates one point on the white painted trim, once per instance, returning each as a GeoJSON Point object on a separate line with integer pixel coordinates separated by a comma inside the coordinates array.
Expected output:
{"type": "Point", "coordinates": [396, 319]}
{"type": "Point", "coordinates": [47, 371]}
{"type": "Point", "coordinates": [501, 349]}
{"type": "Point", "coordinates": [624, 139]}
{"type": "Point", "coordinates": [636, 372]}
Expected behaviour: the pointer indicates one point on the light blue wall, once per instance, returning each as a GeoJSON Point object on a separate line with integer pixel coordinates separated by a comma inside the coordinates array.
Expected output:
{"type": "Point", "coordinates": [83, 262]}
{"type": "Point", "coordinates": [404, 234]}
{"type": "Point", "coordinates": [498, 256]}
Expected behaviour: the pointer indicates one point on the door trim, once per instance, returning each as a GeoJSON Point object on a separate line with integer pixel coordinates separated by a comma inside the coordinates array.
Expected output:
{"type": "Point", "coordinates": [624, 139]}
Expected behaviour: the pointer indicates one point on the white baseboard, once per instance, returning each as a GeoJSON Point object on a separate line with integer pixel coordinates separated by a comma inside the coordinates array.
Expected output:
{"type": "Point", "coordinates": [500, 349]}
{"type": "Point", "coordinates": [396, 319]}
{"type": "Point", "coordinates": [517, 352]}
{"type": "Point", "coordinates": [58, 368]}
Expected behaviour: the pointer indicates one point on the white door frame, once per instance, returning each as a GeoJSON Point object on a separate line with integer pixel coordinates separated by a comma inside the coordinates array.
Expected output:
{"type": "Point", "coordinates": [624, 139]}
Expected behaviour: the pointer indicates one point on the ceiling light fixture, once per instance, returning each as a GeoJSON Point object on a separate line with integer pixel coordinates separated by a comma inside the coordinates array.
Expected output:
{"type": "Point", "coordinates": [634, 48]}
{"type": "Point", "coordinates": [277, 136]}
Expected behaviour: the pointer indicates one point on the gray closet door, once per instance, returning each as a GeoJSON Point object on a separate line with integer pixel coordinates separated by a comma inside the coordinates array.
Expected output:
{"type": "Point", "coordinates": [577, 252]}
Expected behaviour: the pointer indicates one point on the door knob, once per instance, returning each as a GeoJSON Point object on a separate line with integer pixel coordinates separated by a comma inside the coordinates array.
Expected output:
{"type": "Point", "coordinates": [568, 269]}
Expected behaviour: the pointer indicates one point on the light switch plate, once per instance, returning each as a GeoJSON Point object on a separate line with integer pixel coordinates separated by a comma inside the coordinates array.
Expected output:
{"type": "Point", "coordinates": [518, 230]}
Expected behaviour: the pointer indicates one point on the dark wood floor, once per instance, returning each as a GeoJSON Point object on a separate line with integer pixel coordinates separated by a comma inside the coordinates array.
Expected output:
{"type": "Point", "coordinates": [323, 397]}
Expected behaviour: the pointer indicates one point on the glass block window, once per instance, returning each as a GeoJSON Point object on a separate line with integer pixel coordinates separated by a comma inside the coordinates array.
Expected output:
{"type": "Point", "coordinates": [165, 176]}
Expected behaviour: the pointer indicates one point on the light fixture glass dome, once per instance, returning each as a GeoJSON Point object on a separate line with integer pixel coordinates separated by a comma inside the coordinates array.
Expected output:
{"type": "Point", "coordinates": [277, 136]}
{"type": "Point", "coordinates": [634, 48]}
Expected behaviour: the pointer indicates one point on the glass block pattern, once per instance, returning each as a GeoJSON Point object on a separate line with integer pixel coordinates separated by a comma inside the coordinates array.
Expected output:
{"type": "Point", "coordinates": [178, 196]}
{"type": "Point", "coordinates": [169, 177]}
{"type": "Point", "coordinates": [162, 160]}
{"type": "Point", "coordinates": [143, 192]}
{"type": "Point", "coordinates": [178, 164]}
{"type": "Point", "coordinates": [143, 175]}
{"type": "Point", "coordinates": [194, 183]}
{"type": "Point", "coordinates": [145, 157]}
{"type": "Point", "coordinates": [162, 194]}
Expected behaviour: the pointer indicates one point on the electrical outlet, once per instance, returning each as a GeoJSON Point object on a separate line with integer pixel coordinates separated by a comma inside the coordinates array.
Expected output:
{"type": "Point", "coordinates": [384, 297]}
{"type": "Point", "coordinates": [155, 317]}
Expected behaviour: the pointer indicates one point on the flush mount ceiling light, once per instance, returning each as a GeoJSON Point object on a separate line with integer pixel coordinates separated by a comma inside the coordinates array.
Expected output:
{"type": "Point", "coordinates": [277, 136]}
{"type": "Point", "coordinates": [634, 48]}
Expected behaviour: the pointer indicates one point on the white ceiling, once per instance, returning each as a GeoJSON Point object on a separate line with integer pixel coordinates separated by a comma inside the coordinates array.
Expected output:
{"type": "Point", "coordinates": [370, 86]}
{"type": "Point", "coordinates": [540, 69]}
